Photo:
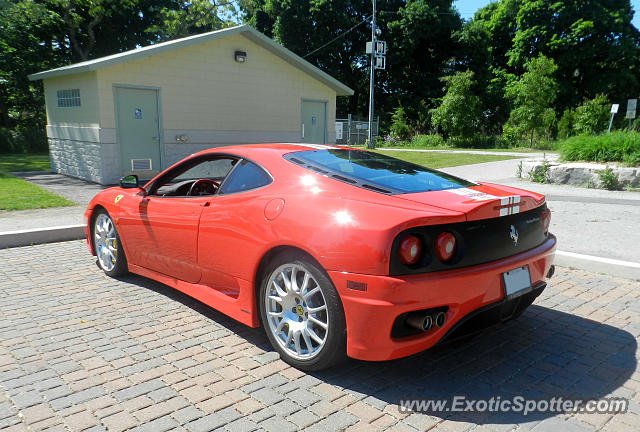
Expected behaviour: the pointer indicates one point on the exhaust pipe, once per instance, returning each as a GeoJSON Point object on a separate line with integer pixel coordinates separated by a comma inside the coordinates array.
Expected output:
{"type": "Point", "coordinates": [440, 318]}
{"type": "Point", "coordinates": [420, 321]}
{"type": "Point", "coordinates": [551, 271]}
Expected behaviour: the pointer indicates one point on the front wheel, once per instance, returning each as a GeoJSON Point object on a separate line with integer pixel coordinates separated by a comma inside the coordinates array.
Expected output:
{"type": "Point", "coordinates": [107, 246]}
{"type": "Point", "coordinates": [302, 314]}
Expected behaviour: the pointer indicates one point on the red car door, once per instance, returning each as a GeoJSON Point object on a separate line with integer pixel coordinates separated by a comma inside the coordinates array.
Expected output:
{"type": "Point", "coordinates": [161, 234]}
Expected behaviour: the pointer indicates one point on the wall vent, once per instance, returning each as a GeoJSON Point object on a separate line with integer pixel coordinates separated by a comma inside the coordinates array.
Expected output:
{"type": "Point", "coordinates": [141, 165]}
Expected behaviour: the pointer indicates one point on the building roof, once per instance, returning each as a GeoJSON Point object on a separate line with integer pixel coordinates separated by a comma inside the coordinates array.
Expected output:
{"type": "Point", "coordinates": [244, 30]}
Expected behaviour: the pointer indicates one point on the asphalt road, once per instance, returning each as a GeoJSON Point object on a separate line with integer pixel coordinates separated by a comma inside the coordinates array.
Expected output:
{"type": "Point", "coordinates": [586, 221]}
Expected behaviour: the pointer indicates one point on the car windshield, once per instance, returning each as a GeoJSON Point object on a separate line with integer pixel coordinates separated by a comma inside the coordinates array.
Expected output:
{"type": "Point", "coordinates": [376, 172]}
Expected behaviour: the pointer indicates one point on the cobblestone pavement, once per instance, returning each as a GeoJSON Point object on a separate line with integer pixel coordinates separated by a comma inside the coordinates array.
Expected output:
{"type": "Point", "coordinates": [80, 351]}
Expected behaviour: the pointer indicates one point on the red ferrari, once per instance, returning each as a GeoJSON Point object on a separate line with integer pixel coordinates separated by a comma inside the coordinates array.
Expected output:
{"type": "Point", "coordinates": [334, 251]}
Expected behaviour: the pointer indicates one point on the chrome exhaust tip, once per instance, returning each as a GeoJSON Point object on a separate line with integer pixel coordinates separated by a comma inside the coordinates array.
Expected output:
{"type": "Point", "coordinates": [420, 321]}
{"type": "Point", "coordinates": [440, 318]}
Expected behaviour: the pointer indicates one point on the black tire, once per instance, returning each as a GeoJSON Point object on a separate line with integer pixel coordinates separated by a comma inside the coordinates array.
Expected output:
{"type": "Point", "coordinates": [118, 266]}
{"type": "Point", "coordinates": [334, 348]}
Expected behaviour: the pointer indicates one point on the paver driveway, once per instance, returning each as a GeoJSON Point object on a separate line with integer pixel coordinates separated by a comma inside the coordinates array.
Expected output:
{"type": "Point", "coordinates": [80, 351]}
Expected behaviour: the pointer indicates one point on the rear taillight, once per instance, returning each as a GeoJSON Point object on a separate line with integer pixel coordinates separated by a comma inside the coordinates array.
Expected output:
{"type": "Point", "coordinates": [545, 217]}
{"type": "Point", "coordinates": [445, 246]}
{"type": "Point", "coordinates": [410, 249]}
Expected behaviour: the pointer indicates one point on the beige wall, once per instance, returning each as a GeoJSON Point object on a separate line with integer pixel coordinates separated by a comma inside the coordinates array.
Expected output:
{"type": "Point", "coordinates": [203, 88]}
{"type": "Point", "coordinates": [87, 114]}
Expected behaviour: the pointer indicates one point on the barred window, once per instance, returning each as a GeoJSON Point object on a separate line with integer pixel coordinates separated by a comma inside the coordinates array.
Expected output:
{"type": "Point", "coordinates": [68, 98]}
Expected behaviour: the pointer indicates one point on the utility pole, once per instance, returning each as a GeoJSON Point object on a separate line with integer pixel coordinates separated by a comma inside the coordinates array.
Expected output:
{"type": "Point", "coordinates": [374, 28]}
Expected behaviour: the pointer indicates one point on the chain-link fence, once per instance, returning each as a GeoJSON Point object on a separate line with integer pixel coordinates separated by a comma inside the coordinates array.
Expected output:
{"type": "Point", "coordinates": [354, 132]}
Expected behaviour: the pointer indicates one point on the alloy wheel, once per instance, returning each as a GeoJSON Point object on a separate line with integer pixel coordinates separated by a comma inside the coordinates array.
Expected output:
{"type": "Point", "coordinates": [296, 311]}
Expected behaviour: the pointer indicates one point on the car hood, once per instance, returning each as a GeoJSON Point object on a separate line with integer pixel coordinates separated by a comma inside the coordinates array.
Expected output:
{"type": "Point", "coordinates": [483, 201]}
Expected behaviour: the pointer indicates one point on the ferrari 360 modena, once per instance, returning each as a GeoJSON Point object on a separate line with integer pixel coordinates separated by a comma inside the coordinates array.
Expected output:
{"type": "Point", "coordinates": [334, 251]}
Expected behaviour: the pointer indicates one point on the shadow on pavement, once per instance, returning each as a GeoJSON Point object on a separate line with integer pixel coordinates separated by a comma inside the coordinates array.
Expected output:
{"type": "Point", "coordinates": [541, 355]}
{"type": "Point", "coordinates": [74, 189]}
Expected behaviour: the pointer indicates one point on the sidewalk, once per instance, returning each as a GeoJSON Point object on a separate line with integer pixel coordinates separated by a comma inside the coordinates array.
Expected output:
{"type": "Point", "coordinates": [25, 227]}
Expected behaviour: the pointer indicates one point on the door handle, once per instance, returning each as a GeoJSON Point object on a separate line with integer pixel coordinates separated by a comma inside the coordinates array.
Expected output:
{"type": "Point", "coordinates": [302, 130]}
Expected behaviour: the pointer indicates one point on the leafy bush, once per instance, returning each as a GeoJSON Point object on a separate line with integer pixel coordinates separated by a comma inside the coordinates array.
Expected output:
{"type": "Point", "coordinates": [480, 141]}
{"type": "Point", "coordinates": [23, 141]}
{"type": "Point", "coordinates": [592, 117]}
{"type": "Point", "coordinates": [613, 147]}
{"type": "Point", "coordinates": [434, 140]}
{"type": "Point", "coordinates": [539, 174]}
{"type": "Point", "coordinates": [565, 124]}
{"type": "Point", "coordinates": [609, 179]}
{"type": "Point", "coordinates": [31, 141]}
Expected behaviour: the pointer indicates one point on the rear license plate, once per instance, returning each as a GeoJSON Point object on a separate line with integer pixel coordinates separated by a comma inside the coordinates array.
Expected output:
{"type": "Point", "coordinates": [516, 282]}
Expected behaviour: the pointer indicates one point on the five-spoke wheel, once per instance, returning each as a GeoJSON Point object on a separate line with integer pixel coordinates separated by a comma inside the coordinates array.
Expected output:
{"type": "Point", "coordinates": [302, 314]}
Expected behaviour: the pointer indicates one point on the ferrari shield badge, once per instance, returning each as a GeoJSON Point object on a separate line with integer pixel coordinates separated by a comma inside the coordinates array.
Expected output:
{"type": "Point", "coordinates": [118, 198]}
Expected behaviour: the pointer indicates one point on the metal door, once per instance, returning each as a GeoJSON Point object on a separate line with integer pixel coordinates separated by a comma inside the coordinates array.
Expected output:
{"type": "Point", "coordinates": [138, 128]}
{"type": "Point", "coordinates": [314, 122]}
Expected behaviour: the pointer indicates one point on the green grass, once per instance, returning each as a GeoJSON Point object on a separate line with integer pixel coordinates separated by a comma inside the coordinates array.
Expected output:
{"type": "Point", "coordinates": [17, 194]}
{"type": "Point", "coordinates": [443, 160]}
{"type": "Point", "coordinates": [613, 147]}
{"type": "Point", "coordinates": [24, 162]}
{"type": "Point", "coordinates": [446, 148]}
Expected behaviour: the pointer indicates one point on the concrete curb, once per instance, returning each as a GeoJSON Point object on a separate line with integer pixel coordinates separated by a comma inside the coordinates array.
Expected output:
{"type": "Point", "coordinates": [12, 239]}
{"type": "Point", "coordinates": [624, 269]}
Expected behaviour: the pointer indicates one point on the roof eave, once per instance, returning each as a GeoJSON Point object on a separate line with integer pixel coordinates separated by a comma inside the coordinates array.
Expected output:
{"type": "Point", "coordinates": [247, 31]}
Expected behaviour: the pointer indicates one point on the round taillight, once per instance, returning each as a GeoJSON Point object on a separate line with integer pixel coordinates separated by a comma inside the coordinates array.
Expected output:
{"type": "Point", "coordinates": [410, 249]}
{"type": "Point", "coordinates": [445, 246]}
{"type": "Point", "coordinates": [545, 216]}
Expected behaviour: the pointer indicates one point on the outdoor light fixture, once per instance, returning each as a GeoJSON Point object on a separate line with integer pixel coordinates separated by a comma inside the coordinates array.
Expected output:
{"type": "Point", "coordinates": [241, 56]}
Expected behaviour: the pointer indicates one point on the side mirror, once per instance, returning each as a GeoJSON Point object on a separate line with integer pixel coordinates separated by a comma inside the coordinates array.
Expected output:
{"type": "Point", "coordinates": [129, 182]}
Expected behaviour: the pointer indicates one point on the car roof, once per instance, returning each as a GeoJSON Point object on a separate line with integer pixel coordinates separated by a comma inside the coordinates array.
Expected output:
{"type": "Point", "coordinates": [281, 148]}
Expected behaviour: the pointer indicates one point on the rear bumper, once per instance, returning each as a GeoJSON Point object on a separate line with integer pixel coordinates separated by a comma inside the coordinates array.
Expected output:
{"type": "Point", "coordinates": [370, 314]}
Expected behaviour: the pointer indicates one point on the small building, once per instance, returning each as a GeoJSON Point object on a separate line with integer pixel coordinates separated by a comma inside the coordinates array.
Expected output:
{"type": "Point", "coordinates": [139, 111]}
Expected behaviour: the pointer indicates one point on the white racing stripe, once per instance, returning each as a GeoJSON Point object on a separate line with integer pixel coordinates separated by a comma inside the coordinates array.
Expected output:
{"type": "Point", "coordinates": [599, 259]}
{"type": "Point", "coordinates": [314, 146]}
{"type": "Point", "coordinates": [473, 194]}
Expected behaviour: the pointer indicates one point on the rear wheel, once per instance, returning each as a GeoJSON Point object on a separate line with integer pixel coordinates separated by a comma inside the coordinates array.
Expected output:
{"type": "Point", "coordinates": [302, 314]}
{"type": "Point", "coordinates": [107, 246]}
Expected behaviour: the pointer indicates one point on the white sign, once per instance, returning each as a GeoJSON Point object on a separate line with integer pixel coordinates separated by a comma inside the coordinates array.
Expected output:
{"type": "Point", "coordinates": [362, 126]}
{"type": "Point", "coordinates": [339, 130]}
{"type": "Point", "coordinates": [380, 61]}
{"type": "Point", "coordinates": [381, 47]}
{"type": "Point", "coordinates": [614, 108]}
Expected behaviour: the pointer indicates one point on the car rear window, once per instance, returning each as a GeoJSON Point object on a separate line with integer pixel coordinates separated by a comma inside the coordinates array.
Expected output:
{"type": "Point", "coordinates": [376, 172]}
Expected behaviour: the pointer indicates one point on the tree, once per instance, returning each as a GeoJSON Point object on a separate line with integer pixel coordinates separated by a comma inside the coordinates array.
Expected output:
{"type": "Point", "coordinates": [594, 44]}
{"type": "Point", "coordinates": [332, 34]}
{"type": "Point", "coordinates": [39, 35]}
{"type": "Point", "coordinates": [422, 49]}
{"type": "Point", "coordinates": [399, 128]}
{"type": "Point", "coordinates": [458, 114]}
{"type": "Point", "coordinates": [533, 95]}
{"type": "Point", "coordinates": [193, 17]}
{"type": "Point", "coordinates": [306, 26]}
{"type": "Point", "coordinates": [30, 41]}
